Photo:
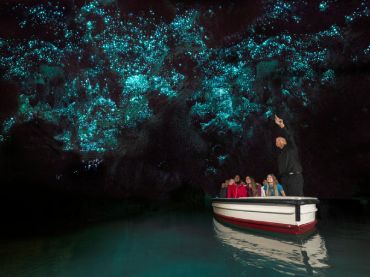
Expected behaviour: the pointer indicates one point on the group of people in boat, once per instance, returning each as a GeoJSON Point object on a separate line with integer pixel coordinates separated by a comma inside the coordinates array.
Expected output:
{"type": "Point", "coordinates": [236, 188]}
{"type": "Point", "coordinates": [289, 170]}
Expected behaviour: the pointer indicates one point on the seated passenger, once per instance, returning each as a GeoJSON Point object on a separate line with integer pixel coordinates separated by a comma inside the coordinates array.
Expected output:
{"type": "Point", "coordinates": [236, 190]}
{"type": "Point", "coordinates": [251, 186]}
{"type": "Point", "coordinates": [237, 180]}
{"type": "Point", "coordinates": [254, 189]}
{"type": "Point", "coordinates": [273, 188]}
{"type": "Point", "coordinates": [231, 189]}
{"type": "Point", "coordinates": [223, 190]}
{"type": "Point", "coordinates": [241, 190]}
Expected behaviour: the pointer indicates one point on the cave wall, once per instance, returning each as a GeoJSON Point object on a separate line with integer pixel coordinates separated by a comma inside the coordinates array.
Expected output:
{"type": "Point", "coordinates": [127, 98]}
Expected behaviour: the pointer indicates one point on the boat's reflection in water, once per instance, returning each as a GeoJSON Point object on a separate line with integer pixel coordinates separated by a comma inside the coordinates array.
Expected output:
{"type": "Point", "coordinates": [289, 255]}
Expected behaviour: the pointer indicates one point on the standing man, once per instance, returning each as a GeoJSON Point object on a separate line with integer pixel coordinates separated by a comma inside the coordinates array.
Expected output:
{"type": "Point", "coordinates": [290, 168]}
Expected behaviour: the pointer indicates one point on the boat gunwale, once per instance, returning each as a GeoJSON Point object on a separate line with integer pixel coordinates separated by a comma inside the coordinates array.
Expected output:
{"type": "Point", "coordinates": [253, 211]}
{"type": "Point", "coordinates": [276, 200]}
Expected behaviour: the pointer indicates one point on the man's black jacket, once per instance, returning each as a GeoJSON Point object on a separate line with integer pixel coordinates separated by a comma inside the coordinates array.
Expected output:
{"type": "Point", "coordinates": [288, 159]}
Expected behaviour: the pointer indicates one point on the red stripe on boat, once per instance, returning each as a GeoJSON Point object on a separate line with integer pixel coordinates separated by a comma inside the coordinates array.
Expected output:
{"type": "Point", "coordinates": [268, 226]}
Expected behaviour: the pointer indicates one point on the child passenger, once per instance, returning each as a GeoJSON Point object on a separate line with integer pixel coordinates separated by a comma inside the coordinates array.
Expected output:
{"type": "Point", "coordinates": [273, 188]}
{"type": "Point", "coordinates": [231, 189]}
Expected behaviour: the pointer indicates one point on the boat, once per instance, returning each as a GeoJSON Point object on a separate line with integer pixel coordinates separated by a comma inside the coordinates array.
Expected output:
{"type": "Point", "coordinates": [290, 215]}
{"type": "Point", "coordinates": [291, 255]}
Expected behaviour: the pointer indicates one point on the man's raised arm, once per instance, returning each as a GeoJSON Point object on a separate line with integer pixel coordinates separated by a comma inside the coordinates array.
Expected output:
{"type": "Point", "coordinates": [287, 133]}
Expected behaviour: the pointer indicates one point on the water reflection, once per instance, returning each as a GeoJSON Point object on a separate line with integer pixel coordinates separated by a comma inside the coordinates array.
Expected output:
{"type": "Point", "coordinates": [289, 255]}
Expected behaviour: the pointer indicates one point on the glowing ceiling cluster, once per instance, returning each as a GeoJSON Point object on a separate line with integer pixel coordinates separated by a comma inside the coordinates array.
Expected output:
{"type": "Point", "coordinates": [93, 73]}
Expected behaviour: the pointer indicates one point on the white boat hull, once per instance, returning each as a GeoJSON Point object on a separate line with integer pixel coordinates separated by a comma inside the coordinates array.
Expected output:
{"type": "Point", "coordinates": [296, 215]}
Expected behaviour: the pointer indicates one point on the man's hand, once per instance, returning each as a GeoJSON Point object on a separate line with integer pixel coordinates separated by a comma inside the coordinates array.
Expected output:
{"type": "Point", "coordinates": [279, 121]}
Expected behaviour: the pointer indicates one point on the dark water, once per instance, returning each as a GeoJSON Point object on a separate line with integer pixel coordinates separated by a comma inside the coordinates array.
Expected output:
{"type": "Point", "coordinates": [190, 244]}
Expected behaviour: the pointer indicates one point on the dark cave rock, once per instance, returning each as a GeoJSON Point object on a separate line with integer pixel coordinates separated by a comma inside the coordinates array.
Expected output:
{"type": "Point", "coordinates": [163, 9]}
{"type": "Point", "coordinates": [11, 15]}
{"type": "Point", "coordinates": [225, 22]}
{"type": "Point", "coordinates": [9, 93]}
{"type": "Point", "coordinates": [31, 154]}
